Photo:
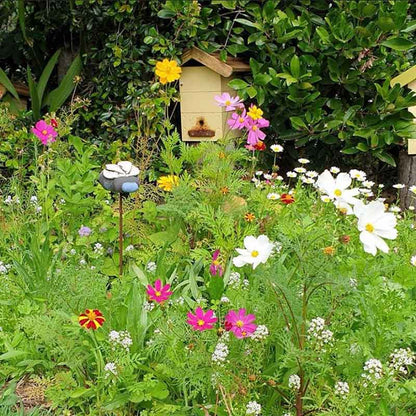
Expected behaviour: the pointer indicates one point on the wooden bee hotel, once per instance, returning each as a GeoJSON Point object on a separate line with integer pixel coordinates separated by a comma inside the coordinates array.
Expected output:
{"type": "Point", "coordinates": [408, 79]}
{"type": "Point", "coordinates": [204, 76]}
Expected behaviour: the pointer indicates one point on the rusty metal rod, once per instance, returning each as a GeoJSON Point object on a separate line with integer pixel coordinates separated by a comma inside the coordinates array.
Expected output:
{"type": "Point", "coordinates": [120, 235]}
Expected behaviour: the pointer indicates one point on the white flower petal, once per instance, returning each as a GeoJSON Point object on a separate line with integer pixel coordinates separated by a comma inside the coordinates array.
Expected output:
{"type": "Point", "coordinates": [343, 181]}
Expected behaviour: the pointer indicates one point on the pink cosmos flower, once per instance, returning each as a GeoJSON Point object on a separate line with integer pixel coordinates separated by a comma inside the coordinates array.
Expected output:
{"type": "Point", "coordinates": [216, 268]}
{"type": "Point", "coordinates": [238, 121]}
{"type": "Point", "coordinates": [230, 103]}
{"type": "Point", "coordinates": [44, 132]}
{"type": "Point", "coordinates": [158, 293]}
{"type": "Point", "coordinates": [201, 321]}
{"type": "Point", "coordinates": [254, 132]}
{"type": "Point", "coordinates": [240, 323]}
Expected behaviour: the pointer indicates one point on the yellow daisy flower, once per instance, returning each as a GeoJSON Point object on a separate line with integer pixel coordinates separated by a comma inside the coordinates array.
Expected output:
{"type": "Point", "coordinates": [255, 113]}
{"type": "Point", "coordinates": [167, 71]}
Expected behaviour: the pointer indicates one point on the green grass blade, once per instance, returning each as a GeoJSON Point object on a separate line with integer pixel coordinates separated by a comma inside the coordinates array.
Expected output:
{"type": "Point", "coordinates": [4, 79]}
{"type": "Point", "coordinates": [58, 96]}
{"type": "Point", "coordinates": [44, 78]}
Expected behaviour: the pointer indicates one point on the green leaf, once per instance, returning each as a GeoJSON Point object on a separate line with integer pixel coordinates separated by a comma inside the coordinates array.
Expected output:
{"type": "Point", "coordinates": [44, 78]}
{"type": "Point", "coordinates": [362, 146]}
{"type": "Point", "coordinates": [216, 287]}
{"type": "Point", "coordinates": [34, 96]}
{"type": "Point", "coordinates": [246, 22]}
{"type": "Point", "coordinates": [4, 79]}
{"type": "Point", "coordinates": [323, 34]}
{"type": "Point", "coordinates": [349, 150]}
{"type": "Point", "coordinates": [295, 67]}
{"type": "Point", "coordinates": [398, 44]}
{"type": "Point", "coordinates": [411, 26]}
{"type": "Point", "coordinates": [22, 21]}
{"type": "Point", "coordinates": [237, 84]}
{"type": "Point", "coordinates": [251, 91]}
{"type": "Point", "coordinates": [262, 79]}
{"type": "Point", "coordinates": [148, 40]}
{"type": "Point", "coordinates": [386, 157]}
{"type": "Point", "coordinates": [166, 14]}
{"type": "Point", "coordinates": [298, 123]}
{"type": "Point", "coordinates": [58, 96]}
{"type": "Point", "coordinates": [10, 355]}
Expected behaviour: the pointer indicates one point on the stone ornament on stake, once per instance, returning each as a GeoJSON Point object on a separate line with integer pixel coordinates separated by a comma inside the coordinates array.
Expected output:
{"type": "Point", "coordinates": [123, 179]}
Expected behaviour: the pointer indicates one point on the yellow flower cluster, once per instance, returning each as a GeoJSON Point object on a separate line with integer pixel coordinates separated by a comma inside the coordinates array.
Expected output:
{"type": "Point", "coordinates": [167, 71]}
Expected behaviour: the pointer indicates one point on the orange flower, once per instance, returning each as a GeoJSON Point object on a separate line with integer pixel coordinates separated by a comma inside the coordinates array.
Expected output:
{"type": "Point", "coordinates": [224, 190]}
{"type": "Point", "coordinates": [167, 71]}
{"type": "Point", "coordinates": [330, 250]}
{"type": "Point", "coordinates": [287, 199]}
{"type": "Point", "coordinates": [249, 217]}
{"type": "Point", "coordinates": [91, 319]}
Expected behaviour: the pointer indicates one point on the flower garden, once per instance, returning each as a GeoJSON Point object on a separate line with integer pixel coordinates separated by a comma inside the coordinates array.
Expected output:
{"type": "Point", "coordinates": [238, 276]}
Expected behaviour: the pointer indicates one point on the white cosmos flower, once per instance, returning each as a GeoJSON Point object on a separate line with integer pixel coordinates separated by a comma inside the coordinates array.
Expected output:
{"type": "Point", "coordinates": [375, 224]}
{"type": "Point", "coordinates": [256, 251]}
{"type": "Point", "coordinates": [336, 189]}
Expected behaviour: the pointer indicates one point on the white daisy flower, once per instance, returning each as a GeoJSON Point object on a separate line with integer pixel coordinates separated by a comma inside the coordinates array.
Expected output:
{"type": "Point", "coordinates": [273, 196]}
{"type": "Point", "coordinates": [291, 174]}
{"type": "Point", "coordinates": [276, 148]}
{"type": "Point", "coordinates": [304, 161]}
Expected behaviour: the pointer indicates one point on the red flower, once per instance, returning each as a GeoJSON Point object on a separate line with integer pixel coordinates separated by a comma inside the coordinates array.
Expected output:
{"type": "Point", "coordinates": [91, 319]}
{"type": "Point", "coordinates": [228, 325]}
{"type": "Point", "coordinates": [260, 145]}
{"type": "Point", "coordinates": [54, 123]}
{"type": "Point", "coordinates": [287, 199]}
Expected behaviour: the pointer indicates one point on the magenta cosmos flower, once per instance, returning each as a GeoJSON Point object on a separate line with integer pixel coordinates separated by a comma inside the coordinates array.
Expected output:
{"type": "Point", "coordinates": [230, 103]}
{"type": "Point", "coordinates": [239, 323]}
{"type": "Point", "coordinates": [238, 121]}
{"type": "Point", "coordinates": [201, 321]}
{"type": "Point", "coordinates": [158, 293]}
{"type": "Point", "coordinates": [44, 132]}
{"type": "Point", "coordinates": [216, 268]}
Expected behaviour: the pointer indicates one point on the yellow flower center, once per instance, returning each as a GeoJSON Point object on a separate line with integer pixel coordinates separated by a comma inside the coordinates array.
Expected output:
{"type": "Point", "coordinates": [91, 315]}
{"type": "Point", "coordinates": [201, 322]}
{"type": "Point", "coordinates": [338, 192]}
{"type": "Point", "coordinates": [369, 227]}
{"type": "Point", "coordinates": [158, 293]}
{"type": "Point", "coordinates": [241, 120]}
{"type": "Point", "coordinates": [44, 132]}
{"type": "Point", "coordinates": [254, 128]}
{"type": "Point", "coordinates": [228, 102]}
{"type": "Point", "coordinates": [239, 324]}
{"type": "Point", "coordinates": [254, 253]}
{"type": "Point", "coordinates": [216, 263]}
